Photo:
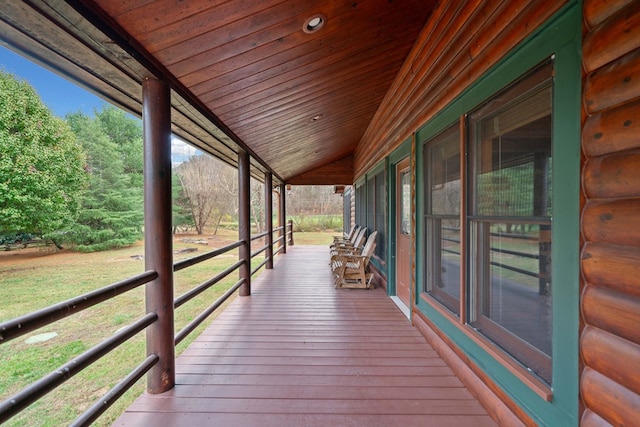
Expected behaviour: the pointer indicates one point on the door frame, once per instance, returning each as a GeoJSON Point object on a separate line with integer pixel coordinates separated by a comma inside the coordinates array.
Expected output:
{"type": "Point", "coordinates": [399, 154]}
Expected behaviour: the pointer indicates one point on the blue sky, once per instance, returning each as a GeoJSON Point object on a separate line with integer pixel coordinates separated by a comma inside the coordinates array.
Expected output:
{"type": "Point", "coordinates": [63, 97]}
{"type": "Point", "coordinates": [60, 95]}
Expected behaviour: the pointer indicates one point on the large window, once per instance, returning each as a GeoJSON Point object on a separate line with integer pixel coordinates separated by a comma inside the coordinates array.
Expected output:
{"type": "Point", "coordinates": [442, 159]}
{"type": "Point", "coordinates": [380, 218]}
{"type": "Point", "coordinates": [496, 224]}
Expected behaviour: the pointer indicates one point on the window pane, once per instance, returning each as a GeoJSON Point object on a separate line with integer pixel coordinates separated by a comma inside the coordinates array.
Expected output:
{"type": "Point", "coordinates": [380, 216]}
{"type": "Point", "coordinates": [512, 271]}
{"type": "Point", "coordinates": [405, 204]}
{"type": "Point", "coordinates": [510, 240]}
{"type": "Point", "coordinates": [442, 222]}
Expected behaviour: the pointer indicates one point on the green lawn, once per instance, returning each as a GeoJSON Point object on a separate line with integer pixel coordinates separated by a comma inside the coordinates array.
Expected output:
{"type": "Point", "coordinates": [43, 278]}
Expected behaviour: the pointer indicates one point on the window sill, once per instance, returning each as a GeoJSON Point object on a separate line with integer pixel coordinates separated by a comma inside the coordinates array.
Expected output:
{"type": "Point", "coordinates": [520, 372]}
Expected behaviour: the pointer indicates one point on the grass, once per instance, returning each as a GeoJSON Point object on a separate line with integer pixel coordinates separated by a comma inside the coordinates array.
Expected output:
{"type": "Point", "coordinates": [35, 279]}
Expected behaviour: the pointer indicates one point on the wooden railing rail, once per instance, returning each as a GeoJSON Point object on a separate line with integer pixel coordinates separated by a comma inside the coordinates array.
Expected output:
{"type": "Point", "coordinates": [206, 313]}
{"type": "Point", "coordinates": [179, 265]}
{"type": "Point", "coordinates": [189, 295]}
{"type": "Point", "coordinates": [259, 251]}
{"type": "Point", "coordinates": [24, 324]}
{"type": "Point", "coordinates": [259, 266]}
{"type": "Point", "coordinates": [44, 385]}
{"type": "Point", "coordinates": [19, 326]}
{"type": "Point", "coordinates": [258, 236]}
{"type": "Point", "coordinates": [289, 232]}
{"type": "Point", "coordinates": [91, 414]}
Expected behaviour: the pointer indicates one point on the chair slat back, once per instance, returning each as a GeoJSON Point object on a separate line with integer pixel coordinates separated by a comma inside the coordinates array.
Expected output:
{"type": "Point", "coordinates": [370, 246]}
{"type": "Point", "coordinates": [359, 238]}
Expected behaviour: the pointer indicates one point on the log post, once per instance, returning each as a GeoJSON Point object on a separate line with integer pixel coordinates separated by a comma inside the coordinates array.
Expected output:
{"type": "Point", "coordinates": [282, 215]}
{"type": "Point", "coordinates": [156, 122]}
{"type": "Point", "coordinates": [290, 225]}
{"type": "Point", "coordinates": [244, 221]}
{"type": "Point", "coordinates": [268, 218]}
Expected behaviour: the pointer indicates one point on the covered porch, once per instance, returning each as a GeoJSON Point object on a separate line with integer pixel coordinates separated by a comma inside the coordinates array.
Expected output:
{"type": "Point", "coordinates": [299, 352]}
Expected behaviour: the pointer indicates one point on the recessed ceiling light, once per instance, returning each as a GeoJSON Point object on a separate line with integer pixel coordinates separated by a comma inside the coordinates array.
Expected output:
{"type": "Point", "coordinates": [316, 118]}
{"type": "Point", "coordinates": [314, 23]}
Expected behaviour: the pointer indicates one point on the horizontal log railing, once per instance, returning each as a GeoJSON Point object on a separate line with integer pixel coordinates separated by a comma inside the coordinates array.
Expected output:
{"type": "Point", "coordinates": [19, 326]}
{"type": "Point", "coordinates": [542, 276]}
{"type": "Point", "coordinates": [22, 325]}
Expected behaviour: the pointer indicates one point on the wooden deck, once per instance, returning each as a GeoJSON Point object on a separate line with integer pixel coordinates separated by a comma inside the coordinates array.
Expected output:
{"type": "Point", "coordinates": [300, 353]}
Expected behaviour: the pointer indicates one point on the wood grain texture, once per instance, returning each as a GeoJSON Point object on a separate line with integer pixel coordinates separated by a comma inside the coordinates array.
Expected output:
{"type": "Point", "coordinates": [424, 87]}
{"type": "Point", "coordinates": [591, 419]}
{"type": "Point", "coordinates": [498, 405]}
{"type": "Point", "coordinates": [341, 172]}
{"type": "Point", "coordinates": [612, 356]}
{"type": "Point", "coordinates": [254, 67]}
{"type": "Point", "coordinates": [612, 39]}
{"type": "Point", "coordinates": [614, 84]}
{"type": "Point", "coordinates": [300, 352]}
{"type": "Point", "coordinates": [610, 303]}
{"type": "Point", "coordinates": [614, 176]}
{"type": "Point", "coordinates": [612, 130]}
{"type": "Point", "coordinates": [612, 221]}
{"type": "Point", "coordinates": [612, 311]}
{"type": "Point", "coordinates": [612, 266]}
{"type": "Point", "coordinates": [611, 401]}
{"type": "Point", "coordinates": [597, 11]}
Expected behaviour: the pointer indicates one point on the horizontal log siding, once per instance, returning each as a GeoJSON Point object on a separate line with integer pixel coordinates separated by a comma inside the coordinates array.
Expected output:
{"type": "Point", "coordinates": [458, 44]}
{"type": "Point", "coordinates": [610, 338]}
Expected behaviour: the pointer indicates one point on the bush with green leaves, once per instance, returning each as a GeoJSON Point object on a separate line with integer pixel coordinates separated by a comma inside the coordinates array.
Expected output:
{"type": "Point", "coordinates": [42, 164]}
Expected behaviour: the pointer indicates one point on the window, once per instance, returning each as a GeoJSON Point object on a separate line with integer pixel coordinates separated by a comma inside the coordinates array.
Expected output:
{"type": "Point", "coordinates": [442, 222]}
{"type": "Point", "coordinates": [505, 235]}
{"type": "Point", "coordinates": [361, 198]}
{"type": "Point", "coordinates": [405, 206]}
{"type": "Point", "coordinates": [380, 222]}
{"type": "Point", "coordinates": [376, 204]}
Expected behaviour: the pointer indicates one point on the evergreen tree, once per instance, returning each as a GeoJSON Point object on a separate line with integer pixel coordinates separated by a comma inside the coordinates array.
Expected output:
{"type": "Point", "coordinates": [112, 209]}
{"type": "Point", "coordinates": [42, 165]}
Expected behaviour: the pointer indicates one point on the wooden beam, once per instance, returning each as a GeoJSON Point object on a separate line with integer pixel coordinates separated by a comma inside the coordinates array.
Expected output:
{"type": "Point", "coordinates": [244, 222]}
{"type": "Point", "coordinates": [156, 122]}
{"type": "Point", "coordinates": [282, 218]}
{"type": "Point", "coordinates": [268, 218]}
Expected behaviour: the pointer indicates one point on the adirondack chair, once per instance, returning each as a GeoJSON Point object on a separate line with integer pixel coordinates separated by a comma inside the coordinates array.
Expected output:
{"type": "Point", "coordinates": [349, 247]}
{"type": "Point", "coordinates": [351, 270]}
{"type": "Point", "coordinates": [346, 236]}
{"type": "Point", "coordinates": [349, 241]}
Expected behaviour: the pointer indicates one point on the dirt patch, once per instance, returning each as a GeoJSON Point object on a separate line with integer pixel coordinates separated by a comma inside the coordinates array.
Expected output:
{"type": "Point", "coordinates": [20, 259]}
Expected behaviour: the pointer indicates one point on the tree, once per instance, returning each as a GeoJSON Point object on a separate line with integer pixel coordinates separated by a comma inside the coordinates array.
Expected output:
{"type": "Point", "coordinates": [112, 208]}
{"type": "Point", "coordinates": [208, 185]}
{"type": "Point", "coordinates": [181, 215]}
{"type": "Point", "coordinates": [42, 164]}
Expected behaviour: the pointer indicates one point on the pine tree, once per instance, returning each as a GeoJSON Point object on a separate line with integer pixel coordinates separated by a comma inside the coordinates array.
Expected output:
{"type": "Point", "coordinates": [112, 209]}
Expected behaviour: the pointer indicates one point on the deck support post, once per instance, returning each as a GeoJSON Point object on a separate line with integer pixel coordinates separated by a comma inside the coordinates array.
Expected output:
{"type": "Point", "coordinates": [158, 246]}
{"type": "Point", "coordinates": [268, 218]}
{"type": "Point", "coordinates": [244, 222]}
{"type": "Point", "coordinates": [282, 216]}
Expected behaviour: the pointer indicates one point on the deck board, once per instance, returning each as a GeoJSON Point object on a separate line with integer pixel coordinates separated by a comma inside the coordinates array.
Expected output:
{"type": "Point", "coordinates": [300, 353]}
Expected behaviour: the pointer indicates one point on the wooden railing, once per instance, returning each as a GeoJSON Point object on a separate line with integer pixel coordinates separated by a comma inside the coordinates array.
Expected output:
{"type": "Point", "coordinates": [19, 326]}
{"type": "Point", "coordinates": [541, 274]}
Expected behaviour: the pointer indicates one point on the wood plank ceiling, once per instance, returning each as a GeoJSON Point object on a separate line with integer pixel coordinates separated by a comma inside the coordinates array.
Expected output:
{"type": "Point", "coordinates": [298, 100]}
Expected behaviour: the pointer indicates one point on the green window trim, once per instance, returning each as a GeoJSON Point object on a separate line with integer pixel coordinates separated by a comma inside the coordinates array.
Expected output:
{"type": "Point", "coordinates": [559, 37]}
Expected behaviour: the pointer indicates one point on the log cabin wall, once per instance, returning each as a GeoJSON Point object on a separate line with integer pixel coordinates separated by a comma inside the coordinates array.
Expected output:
{"type": "Point", "coordinates": [610, 338]}
{"type": "Point", "coordinates": [458, 44]}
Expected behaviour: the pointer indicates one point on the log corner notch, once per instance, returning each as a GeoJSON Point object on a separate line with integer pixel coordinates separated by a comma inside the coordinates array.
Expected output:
{"type": "Point", "coordinates": [610, 299]}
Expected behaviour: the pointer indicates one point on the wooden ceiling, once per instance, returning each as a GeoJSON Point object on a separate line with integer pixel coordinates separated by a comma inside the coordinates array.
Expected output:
{"type": "Point", "coordinates": [299, 102]}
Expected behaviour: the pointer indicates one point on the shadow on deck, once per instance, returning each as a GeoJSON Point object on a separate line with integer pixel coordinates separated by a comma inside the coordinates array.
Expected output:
{"type": "Point", "coordinates": [300, 353]}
